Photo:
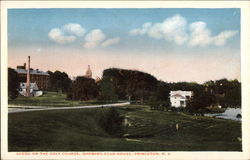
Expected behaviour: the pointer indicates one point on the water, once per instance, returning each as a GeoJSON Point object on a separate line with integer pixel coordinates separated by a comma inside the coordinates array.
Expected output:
{"type": "Point", "coordinates": [230, 113]}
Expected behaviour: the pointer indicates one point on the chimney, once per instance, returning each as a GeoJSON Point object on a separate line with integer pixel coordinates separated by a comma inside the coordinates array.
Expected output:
{"type": "Point", "coordinates": [28, 79]}
{"type": "Point", "coordinates": [24, 65]}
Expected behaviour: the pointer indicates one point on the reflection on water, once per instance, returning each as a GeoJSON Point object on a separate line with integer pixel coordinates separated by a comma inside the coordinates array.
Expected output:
{"type": "Point", "coordinates": [230, 113]}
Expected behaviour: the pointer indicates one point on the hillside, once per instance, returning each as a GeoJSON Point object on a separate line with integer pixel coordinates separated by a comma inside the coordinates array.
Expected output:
{"type": "Point", "coordinates": [147, 130]}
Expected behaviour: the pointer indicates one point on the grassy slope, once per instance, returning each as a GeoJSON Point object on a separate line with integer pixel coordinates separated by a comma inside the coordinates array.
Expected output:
{"type": "Point", "coordinates": [50, 99]}
{"type": "Point", "coordinates": [78, 130]}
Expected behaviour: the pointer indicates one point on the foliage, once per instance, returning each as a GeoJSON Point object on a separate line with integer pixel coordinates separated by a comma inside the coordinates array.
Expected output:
{"type": "Point", "coordinates": [200, 101]}
{"type": "Point", "coordinates": [13, 84]}
{"type": "Point", "coordinates": [162, 91]}
{"type": "Point", "coordinates": [59, 81]}
{"type": "Point", "coordinates": [187, 86]}
{"type": "Point", "coordinates": [160, 99]}
{"type": "Point", "coordinates": [131, 84]}
{"type": "Point", "coordinates": [107, 91]}
{"type": "Point", "coordinates": [83, 88]}
{"type": "Point", "coordinates": [112, 122]}
{"type": "Point", "coordinates": [227, 92]}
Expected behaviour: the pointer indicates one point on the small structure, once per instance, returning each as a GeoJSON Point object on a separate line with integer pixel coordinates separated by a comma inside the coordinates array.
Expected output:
{"type": "Point", "coordinates": [180, 98]}
{"type": "Point", "coordinates": [34, 91]}
{"type": "Point", "coordinates": [88, 72]}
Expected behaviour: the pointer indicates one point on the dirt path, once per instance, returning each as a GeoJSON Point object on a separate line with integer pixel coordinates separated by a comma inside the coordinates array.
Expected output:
{"type": "Point", "coordinates": [44, 108]}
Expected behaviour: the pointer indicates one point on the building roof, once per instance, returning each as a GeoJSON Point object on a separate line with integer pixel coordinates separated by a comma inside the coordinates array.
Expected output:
{"type": "Point", "coordinates": [182, 93]}
{"type": "Point", "coordinates": [178, 95]}
{"type": "Point", "coordinates": [32, 86]}
{"type": "Point", "coordinates": [32, 71]}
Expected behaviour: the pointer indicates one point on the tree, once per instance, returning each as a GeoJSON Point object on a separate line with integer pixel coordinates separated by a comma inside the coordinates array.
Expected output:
{"type": "Point", "coordinates": [107, 90]}
{"type": "Point", "coordinates": [146, 86]}
{"type": "Point", "coordinates": [83, 89]}
{"type": "Point", "coordinates": [131, 84]}
{"type": "Point", "coordinates": [13, 83]}
{"type": "Point", "coordinates": [112, 122]}
{"type": "Point", "coordinates": [160, 99]}
{"type": "Point", "coordinates": [200, 101]}
{"type": "Point", "coordinates": [59, 81]}
{"type": "Point", "coordinates": [227, 92]}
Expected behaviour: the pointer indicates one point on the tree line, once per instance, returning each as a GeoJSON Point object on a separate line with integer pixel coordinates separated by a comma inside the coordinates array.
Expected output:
{"type": "Point", "coordinates": [138, 87]}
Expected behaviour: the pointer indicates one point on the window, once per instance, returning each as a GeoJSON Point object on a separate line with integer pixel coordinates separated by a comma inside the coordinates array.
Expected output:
{"type": "Point", "coordinates": [182, 103]}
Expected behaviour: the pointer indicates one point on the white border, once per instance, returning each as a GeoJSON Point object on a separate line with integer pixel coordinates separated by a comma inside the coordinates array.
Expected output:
{"type": "Point", "coordinates": [245, 76]}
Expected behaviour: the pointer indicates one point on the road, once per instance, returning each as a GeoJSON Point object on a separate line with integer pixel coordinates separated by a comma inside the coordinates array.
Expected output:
{"type": "Point", "coordinates": [18, 109]}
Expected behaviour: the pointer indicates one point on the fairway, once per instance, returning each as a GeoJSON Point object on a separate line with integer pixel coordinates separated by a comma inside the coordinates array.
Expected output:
{"type": "Point", "coordinates": [147, 130]}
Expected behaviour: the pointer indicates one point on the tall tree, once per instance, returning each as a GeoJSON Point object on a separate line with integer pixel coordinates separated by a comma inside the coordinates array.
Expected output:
{"type": "Point", "coordinates": [83, 89]}
{"type": "Point", "coordinates": [200, 101]}
{"type": "Point", "coordinates": [227, 92]}
{"type": "Point", "coordinates": [160, 99]}
{"type": "Point", "coordinates": [13, 84]}
{"type": "Point", "coordinates": [59, 81]}
{"type": "Point", "coordinates": [131, 84]}
{"type": "Point", "coordinates": [107, 90]}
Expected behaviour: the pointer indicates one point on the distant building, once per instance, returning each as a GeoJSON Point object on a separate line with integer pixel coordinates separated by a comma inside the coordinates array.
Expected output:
{"type": "Point", "coordinates": [34, 91]}
{"type": "Point", "coordinates": [36, 76]}
{"type": "Point", "coordinates": [88, 73]}
{"type": "Point", "coordinates": [180, 98]}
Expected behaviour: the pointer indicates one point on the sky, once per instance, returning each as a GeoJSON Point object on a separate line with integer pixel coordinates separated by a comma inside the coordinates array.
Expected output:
{"type": "Point", "coordinates": [172, 44]}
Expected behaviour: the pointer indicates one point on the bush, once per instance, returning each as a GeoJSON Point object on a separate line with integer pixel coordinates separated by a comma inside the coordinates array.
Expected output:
{"type": "Point", "coordinates": [112, 122]}
{"type": "Point", "coordinates": [178, 109]}
{"type": "Point", "coordinates": [156, 104]}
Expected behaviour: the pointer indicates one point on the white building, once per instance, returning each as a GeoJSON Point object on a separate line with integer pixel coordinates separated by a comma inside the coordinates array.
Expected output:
{"type": "Point", "coordinates": [179, 98]}
{"type": "Point", "coordinates": [33, 89]}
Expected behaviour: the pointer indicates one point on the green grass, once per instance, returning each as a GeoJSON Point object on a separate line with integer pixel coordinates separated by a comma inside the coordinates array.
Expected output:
{"type": "Point", "coordinates": [51, 99]}
{"type": "Point", "coordinates": [148, 130]}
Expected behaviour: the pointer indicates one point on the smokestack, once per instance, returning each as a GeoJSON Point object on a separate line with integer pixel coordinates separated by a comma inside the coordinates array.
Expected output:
{"type": "Point", "coordinates": [28, 79]}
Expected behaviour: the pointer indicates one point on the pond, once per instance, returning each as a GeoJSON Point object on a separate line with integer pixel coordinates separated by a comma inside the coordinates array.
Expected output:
{"type": "Point", "coordinates": [230, 113]}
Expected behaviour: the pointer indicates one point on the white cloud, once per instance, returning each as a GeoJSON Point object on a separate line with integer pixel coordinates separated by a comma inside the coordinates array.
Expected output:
{"type": "Point", "coordinates": [141, 31]}
{"type": "Point", "coordinates": [223, 37]}
{"type": "Point", "coordinates": [67, 33]}
{"type": "Point", "coordinates": [58, 36]}
{"type": "Point", "coordinates": [74, 28]}
{"type": "Point", "coordinates": [94, 38]}
{"type": "Point", "coordinates": [176, 29]}
{"type": "Point", "coordinates": [110, 42]}
{"type": "Point", "coordinates": [201, 35]}
{"type": "Point", "coordinates": [171, 29]}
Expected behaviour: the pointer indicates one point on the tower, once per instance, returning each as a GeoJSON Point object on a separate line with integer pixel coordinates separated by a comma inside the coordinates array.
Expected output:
{"type": "Point", "coordinates": [88, 72]}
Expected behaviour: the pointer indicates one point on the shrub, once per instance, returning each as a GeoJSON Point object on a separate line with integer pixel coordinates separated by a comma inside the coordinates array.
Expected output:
{"type": "Point", "coordinates": [112, 122]}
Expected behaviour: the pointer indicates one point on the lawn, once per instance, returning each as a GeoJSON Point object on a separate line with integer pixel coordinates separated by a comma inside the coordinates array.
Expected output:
{"type": "Point", "coordinates": [52, 99]}
{"type": "Point", "coordinates": [147, 130]}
